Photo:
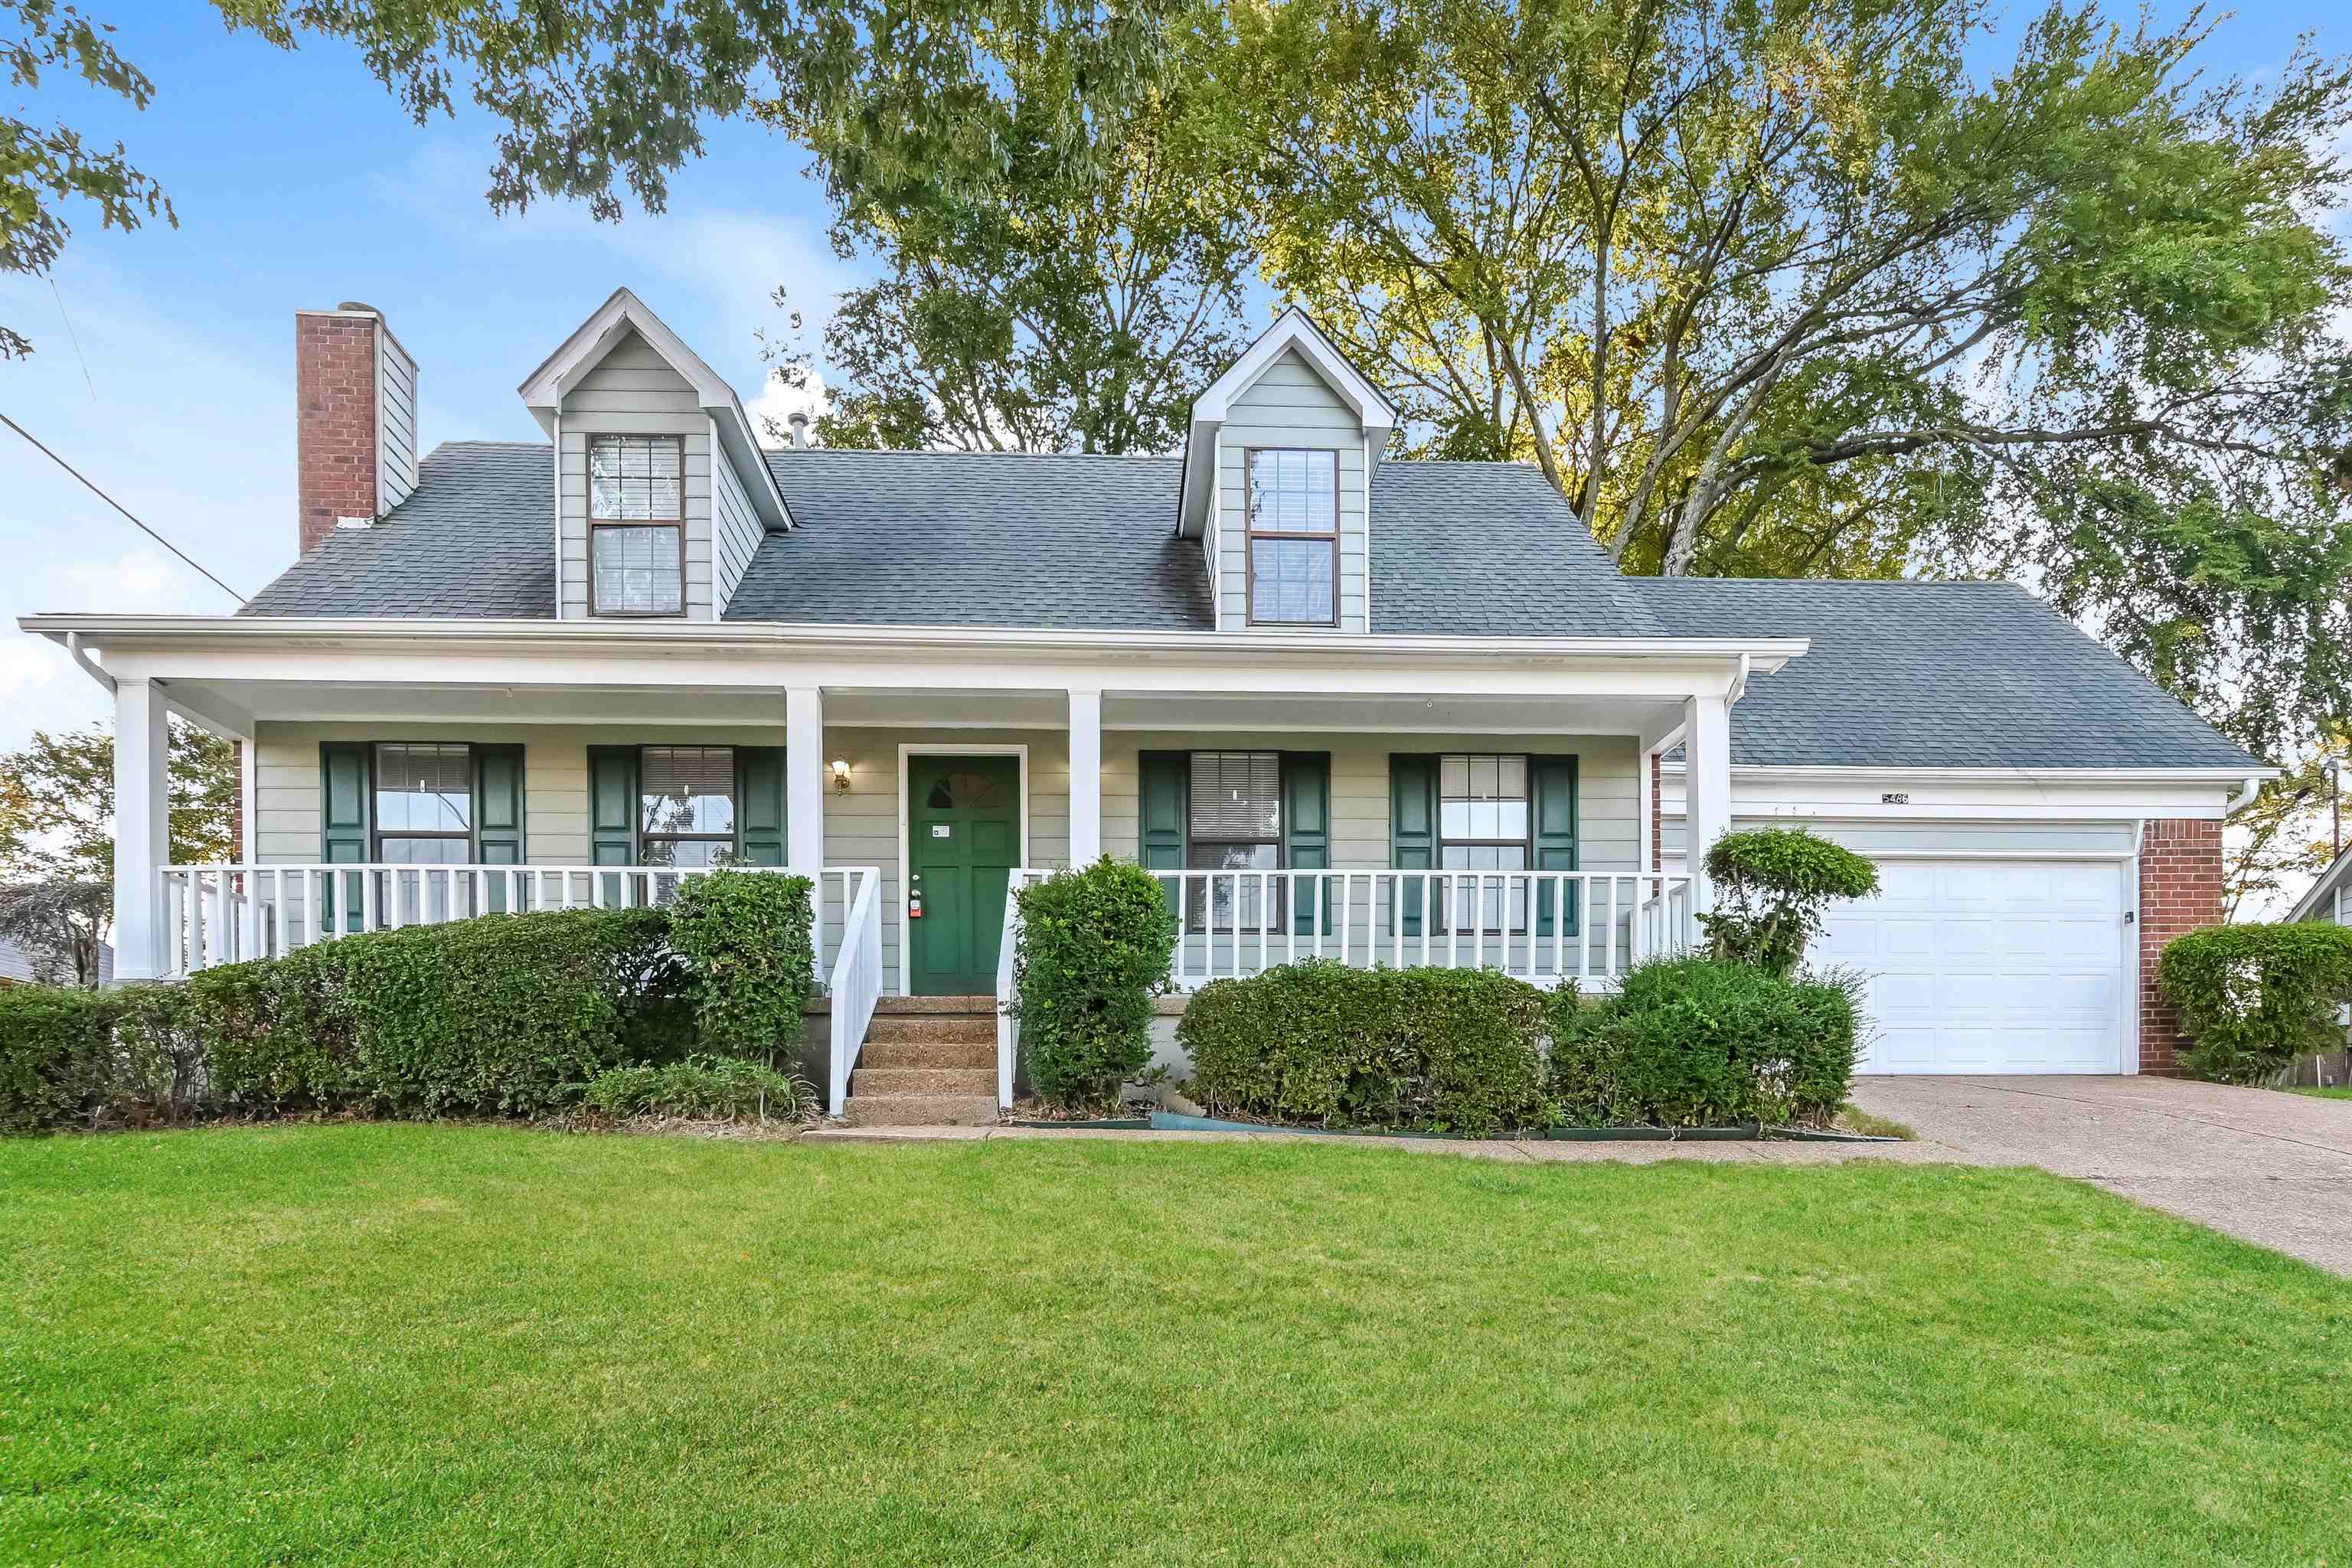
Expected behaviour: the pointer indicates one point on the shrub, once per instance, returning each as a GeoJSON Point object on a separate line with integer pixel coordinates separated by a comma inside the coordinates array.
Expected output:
{"type": "Point", "coordinates": [498, 1014]}
{"type": "Point", "coordinates": [703, 1089]}
{"type": "Point", "coordinates": [1771, 886]}
{"type": "Point", "coordinates": [272, 1034]}
{"type": "Point", "coordinates": [1703, 1042]}
{"type": "Point", "coordinates": [1096, 942]}
{"type": "Point", "coordinates": [1447, 1050]}
{"type": "Point", "coordinates": [746, 936]}
{"type": "Point", "coordinates": [60, 1066]}
{"type": "Point", "coordinates": [2253, 997]}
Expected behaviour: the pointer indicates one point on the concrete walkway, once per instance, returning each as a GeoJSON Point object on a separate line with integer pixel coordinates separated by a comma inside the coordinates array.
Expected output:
{"type": "Point", "coordinates": [2270, 1168]}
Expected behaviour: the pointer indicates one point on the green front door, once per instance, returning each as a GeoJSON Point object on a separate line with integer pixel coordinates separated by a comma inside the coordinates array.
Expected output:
{"type": "Point", "coordinates": [963, 839]}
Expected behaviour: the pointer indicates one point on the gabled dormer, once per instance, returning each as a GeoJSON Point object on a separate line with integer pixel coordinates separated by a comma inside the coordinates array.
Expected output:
{"type": "Point", "coordinates": [1278, 483]}
{"type": "Point", "coordinates": [661, 492]}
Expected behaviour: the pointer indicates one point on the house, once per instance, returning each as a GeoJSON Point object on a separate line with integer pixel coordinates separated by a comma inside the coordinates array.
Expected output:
{"type": "Point", "coordinates": [2326, 899]}
{"type": "Point", "coordinates": [1385, 710]}
{"type": "Point", "coordinates": [17, 967]}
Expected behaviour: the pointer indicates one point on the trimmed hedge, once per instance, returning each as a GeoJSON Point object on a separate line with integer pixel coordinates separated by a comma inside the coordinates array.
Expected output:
{"type": "Point", "coordinates": [2255, 997]}
{"type": "Point", "coordinates": [504, 1014]}
{"type": "Point", "coordinates": [1443, 1050]}
{"type": "Point", "coordinates": [1700, 1042]}
{"type": "Point", "coordinates": [748, 940]}
{"type": "Point", "coordinates": [1095, 944]}
{"type": "Point", "coordinates": [1771, 886]}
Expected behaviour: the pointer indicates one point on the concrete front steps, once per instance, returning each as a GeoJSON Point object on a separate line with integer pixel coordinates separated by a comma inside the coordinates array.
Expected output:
{"type": "Point", "coordinates": [927, 1061]}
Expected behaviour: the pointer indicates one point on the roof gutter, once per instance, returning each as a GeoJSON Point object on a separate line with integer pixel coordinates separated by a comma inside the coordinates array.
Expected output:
{"type": "Point", "coordinates": [81, 657]}
{"type": "Point", "coordinates": [2253, 787]}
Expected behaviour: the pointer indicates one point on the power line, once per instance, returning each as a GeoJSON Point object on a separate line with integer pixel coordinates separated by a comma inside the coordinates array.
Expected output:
{"type": "Point", "coordinates": [118, 506]}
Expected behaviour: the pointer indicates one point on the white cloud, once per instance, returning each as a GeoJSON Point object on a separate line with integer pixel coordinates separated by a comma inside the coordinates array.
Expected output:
{"type": "Point", "coordinates": [778, 402]}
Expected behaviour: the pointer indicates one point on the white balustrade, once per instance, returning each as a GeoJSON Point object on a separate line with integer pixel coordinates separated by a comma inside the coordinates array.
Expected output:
{"type": "Point", "coordinates": [856, 982]}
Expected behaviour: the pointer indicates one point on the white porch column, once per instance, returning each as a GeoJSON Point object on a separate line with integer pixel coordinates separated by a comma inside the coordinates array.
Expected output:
{"type": "Point", "coordinates": [143, 826]}
{"type": "Point", "coordinates": [1706, 775]}
{"type": "Point", "coordinates": [805, 780]}
{"type": "Point", "coordinates": [1085, 776]}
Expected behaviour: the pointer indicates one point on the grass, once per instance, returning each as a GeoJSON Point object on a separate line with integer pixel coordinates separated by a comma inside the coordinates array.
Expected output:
{"type": "Point", "coordinates": [2334, 1091]}
{"type": "Point", "coordinates": [416, 1344]}
{"type": "Point", "coordinates": [1852, 1117]}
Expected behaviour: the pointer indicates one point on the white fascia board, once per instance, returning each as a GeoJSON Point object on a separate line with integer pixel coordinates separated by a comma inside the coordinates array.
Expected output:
{"type": "Point", "coordinates": [545, 389]}
{"type": "Point", "coordinates": [1964, 795]}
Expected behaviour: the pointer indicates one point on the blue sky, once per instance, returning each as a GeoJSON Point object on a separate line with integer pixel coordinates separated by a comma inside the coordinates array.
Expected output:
{"type": "Point", "coordinates": [300, 183]}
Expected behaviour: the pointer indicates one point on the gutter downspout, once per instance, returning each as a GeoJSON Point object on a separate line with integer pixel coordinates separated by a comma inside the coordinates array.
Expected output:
{"type": "Point", "coordinates": [1740, 686]}
{"type": "Point", "coordinates": [2244, 798]}
{"type": "Point", "coordinates": [97, 673]}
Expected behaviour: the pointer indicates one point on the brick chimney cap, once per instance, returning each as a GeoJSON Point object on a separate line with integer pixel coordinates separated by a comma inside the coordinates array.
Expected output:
{"type": "Point", "coordinates": [360, 305]}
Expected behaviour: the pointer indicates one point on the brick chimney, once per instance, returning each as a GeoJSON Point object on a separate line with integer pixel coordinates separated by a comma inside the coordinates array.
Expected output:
{"type": "Point", "coordinates": [355, 420]}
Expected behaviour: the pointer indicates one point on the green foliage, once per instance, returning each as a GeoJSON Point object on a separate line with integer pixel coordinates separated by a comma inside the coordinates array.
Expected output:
{"type": "Point", "coordinates": [2253, 997]}
{"type": "Point", "coordinates": [1701, 1042]}
{"type": "Point", "coordinates": [1771, 886]}
{"type": "Point", "coordinates": [701, 1088]}
{"type": "Point", "coordinates": [59, 1064]}
{"type": "Point", "coordinates": [277, 1033]}
{"type": "Point", "coordinates": [57, 807]}
{"type": "Point", "coordinates": [1444, 1050]}
{"type": "Point", "coordinates": [747, 939]}
{"type": "Point", "coordinates": [498, 1014]}
{"type": "Point", "coordinates": [1095, 946]}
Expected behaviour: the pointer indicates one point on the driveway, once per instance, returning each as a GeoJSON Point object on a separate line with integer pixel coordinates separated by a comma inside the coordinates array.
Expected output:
{"type": "Point", "coordinates": [2270, 1168]}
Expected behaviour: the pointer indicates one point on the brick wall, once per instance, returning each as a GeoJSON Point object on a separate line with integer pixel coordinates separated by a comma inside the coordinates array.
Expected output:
{"type": "Point", "coordinates": [2180, 890]}
{"type": "Point", "coordinates": [334, 420]}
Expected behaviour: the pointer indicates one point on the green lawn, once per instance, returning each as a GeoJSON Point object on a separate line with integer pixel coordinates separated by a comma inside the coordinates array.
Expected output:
{"type": "Point", "coordinates": [2335, 1091]}
{"type": "Point", "coordinates": [410, 1344]}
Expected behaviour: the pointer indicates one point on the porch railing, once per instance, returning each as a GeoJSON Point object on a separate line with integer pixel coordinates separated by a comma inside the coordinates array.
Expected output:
{"type": "Point", "coordinates": [856, 982]}
{"type": "Point", "coordinates": [226, 914]}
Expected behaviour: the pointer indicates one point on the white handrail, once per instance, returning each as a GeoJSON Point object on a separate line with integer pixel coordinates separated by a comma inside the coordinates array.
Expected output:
{"type": "Point", "coordinates": [857, 985]}
{"type": "Point", "coordinates": [1243, 922]}
{"type": "Point", "coordinates": [225, 913]}
{"type": "Point", "coordinates": [1008, 1027]}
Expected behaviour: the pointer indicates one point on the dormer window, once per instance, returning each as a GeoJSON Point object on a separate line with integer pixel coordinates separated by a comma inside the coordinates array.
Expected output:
{"type": "Point", "coordinates": [1293, 537]}
{"type": "Point", "coordinates": [637, 545]}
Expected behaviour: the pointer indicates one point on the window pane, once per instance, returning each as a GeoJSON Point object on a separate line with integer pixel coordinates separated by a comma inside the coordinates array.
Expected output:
{"type": "Point", "coordinates": [1483, 796]}
{"type": "Point", "coordinates": [1236, 796]}
{"type": "Point", "coordinates": [632, 477]}
{"type": "Point", "coordinates": [427, 851]}
{"type": "Point", "coordinates": [687, 789]}
{"type": "Point", "coordinates": [637, 570]}
{"type": "Point", "coordinates": [424, 789]}
{"type": "Point", "coordinates": [1293, 579]}
{"type": "Point", "coordinates": [1216, 904]}
{"type": "Point", "coordinates": [1295, 492]}
{"type": "Point", "coordinates": [688, 854]}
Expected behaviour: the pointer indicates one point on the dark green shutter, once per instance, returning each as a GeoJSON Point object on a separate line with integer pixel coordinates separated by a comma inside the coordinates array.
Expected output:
{"type": "Point", "coordinates": [1165, 788]}
{"type": "Point", "coordinates": [759, 805]}
{"type": "Point", "coordinates": [497, 805]}
{"type": "Point", "coordinates": [1413, 830]}
{"type": "Point", "coordinates": [1552, 784]}
{"type": "Point", "coordinates": [344, 825]}
{"type": "Point", "coordinates": [612, 805]}
{"type": "Point", "coordinates": [1307, 827]}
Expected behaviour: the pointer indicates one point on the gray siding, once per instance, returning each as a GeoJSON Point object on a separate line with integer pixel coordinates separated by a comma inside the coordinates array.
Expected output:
{"type": "Point", "coordinates": [1289, 405]}
{"type": "Point", "coordinates": [396, 422]}
{"type": "Point", "coordinates": [736, 532]}
{"type": "Point", "coordinates": [634, 391]}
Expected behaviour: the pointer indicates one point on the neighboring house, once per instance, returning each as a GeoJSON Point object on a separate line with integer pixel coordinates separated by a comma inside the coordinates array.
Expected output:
{"type": "Point", "coordinates": [16, 967]}
{"type": "Point", "coordinates": [1292, 674]}
{"type": "Point", "coordinates": [2328, 897]}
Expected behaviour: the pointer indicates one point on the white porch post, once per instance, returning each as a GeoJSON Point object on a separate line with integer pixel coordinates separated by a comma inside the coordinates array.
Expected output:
{"type": "Point", "coordinates": [1085, 776]}
{"type": "Point", "coordinates": [142, 827]}
{"type": "Point", "coordinates": [1706, 775]}
{"type": "Point", "coordinates": [805, 780]}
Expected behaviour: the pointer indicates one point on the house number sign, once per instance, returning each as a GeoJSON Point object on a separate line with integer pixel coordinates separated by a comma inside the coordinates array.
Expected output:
{"type": "Point", "coordinates": [942, 830]}
{"type": "Point", "coordinates": [1895, 797]}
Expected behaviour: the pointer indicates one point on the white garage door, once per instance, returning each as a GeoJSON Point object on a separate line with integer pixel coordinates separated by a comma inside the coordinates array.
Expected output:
{"type": "Point", "coordinates": [1985, 966]}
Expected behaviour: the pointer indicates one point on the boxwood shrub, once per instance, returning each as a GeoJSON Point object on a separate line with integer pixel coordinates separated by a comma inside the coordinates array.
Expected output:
{"type": "Point", "coordinates": [1772, 885]}
{"type": "Point", "coordinates": [1095, 943]}
{"type": "Point", "coordinates": [1443, 1050]}
{"type": "Point", "coordinates": [1702, 1042]}
{"type": "Point", "coordinates": [59, 1065]}
{"type": "Point", "coordinates": [2255, 997]}
{"type": "Point", "coordinates": [747, 941]}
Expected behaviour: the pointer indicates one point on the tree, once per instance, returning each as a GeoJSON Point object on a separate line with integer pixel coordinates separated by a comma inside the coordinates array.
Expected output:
{"type": "Point", "coordinates": [2283, 831]}
{"type": "Point", "coordinates": [1077, 307]}
{"type": "Point", "coordinates": [60, 927]}
{"type": "Point", "coordinates": [57, 823]}
{"type": "Point", "coordinates": [1804, 288]}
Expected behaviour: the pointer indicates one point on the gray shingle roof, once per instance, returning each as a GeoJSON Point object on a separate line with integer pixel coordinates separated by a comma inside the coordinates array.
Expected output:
{"type": "Point", "coordinates": [1957, 675]}
{"type": "Point", "coordinates": [475, 538]}
{"type": "Point", "coordinates": [960, 539]}
{"type": "Point", "coordinates": [1901, 674]}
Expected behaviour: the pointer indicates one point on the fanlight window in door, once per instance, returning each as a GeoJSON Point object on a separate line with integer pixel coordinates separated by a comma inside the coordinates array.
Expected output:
{"type": "Point", "coordinates": [966, 792]}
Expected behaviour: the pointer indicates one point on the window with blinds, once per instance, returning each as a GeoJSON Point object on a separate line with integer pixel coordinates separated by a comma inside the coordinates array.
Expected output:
{"type": "Point", "coordinates": [1234, 824]}
{"type": "Point", "coordinates": [685, 805]}
{"type": "Point", "coordinates": [1293, 537]}
{"type": "Point", "coordinates": [425, 804]}
{"type": "Point", "coordinates": [636, 543]}
{"type": "Point", "coordinates": [1483, 825]}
